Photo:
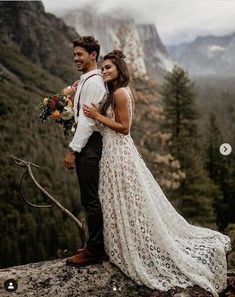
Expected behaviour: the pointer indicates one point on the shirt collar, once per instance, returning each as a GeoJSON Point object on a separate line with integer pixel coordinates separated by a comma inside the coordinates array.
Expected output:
{"type": "Point", "coordinates": [86, 75]}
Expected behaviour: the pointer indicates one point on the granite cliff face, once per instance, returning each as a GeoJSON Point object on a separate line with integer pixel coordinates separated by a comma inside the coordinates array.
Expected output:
{"type": "Point", "coordinates": [156, 57]}
{"type": "Point", "coordinates": [208, 55]}
{"type": "Point", "coordinates": [42, 37]}
{"type": "Point", "coordinates": [141, 43]}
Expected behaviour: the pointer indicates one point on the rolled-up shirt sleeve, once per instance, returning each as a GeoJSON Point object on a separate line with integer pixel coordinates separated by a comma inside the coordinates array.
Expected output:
{"type": "Point", "coordinates": [93, 93]}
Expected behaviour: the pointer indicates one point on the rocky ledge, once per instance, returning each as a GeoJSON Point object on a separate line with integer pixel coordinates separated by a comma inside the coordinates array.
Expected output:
{"type": "Point", "coordinates": [54, 278]}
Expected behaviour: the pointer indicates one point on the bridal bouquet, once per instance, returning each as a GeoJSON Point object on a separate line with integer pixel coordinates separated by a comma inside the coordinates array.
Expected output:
{"type": "Point", "coordinates": [58, 107]}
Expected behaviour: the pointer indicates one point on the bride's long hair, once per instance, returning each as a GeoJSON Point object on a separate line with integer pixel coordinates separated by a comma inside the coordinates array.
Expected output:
{"type": "Point", "coordinates": [122, 80]}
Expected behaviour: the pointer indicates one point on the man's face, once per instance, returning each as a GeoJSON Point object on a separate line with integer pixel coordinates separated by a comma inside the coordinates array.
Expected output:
{"type": "Point", "coordinates": [82, 58]}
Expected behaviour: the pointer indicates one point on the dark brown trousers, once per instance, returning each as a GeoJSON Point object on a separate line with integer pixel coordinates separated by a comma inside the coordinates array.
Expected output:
{"type": "Point", "coordinates": [87, 167]}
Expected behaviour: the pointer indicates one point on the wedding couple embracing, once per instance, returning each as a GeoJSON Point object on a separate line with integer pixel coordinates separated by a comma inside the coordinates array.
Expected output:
{"type": "Point", "coordinates": [129, 217]}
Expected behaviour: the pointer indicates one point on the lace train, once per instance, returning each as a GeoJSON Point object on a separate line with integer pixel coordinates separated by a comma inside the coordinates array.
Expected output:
{"type": "Point", "coordinates": [143, 233]}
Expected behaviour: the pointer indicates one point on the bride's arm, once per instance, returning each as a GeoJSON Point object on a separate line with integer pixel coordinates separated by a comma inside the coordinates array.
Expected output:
{"type": "Point", "coordinates": [122, 123]}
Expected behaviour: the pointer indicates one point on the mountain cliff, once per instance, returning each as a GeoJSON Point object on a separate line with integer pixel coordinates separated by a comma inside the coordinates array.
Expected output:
{"type": "Point", "coordinates": [156, 56]}
{"type": "Point", "coordinates": [142, 45]}
{"type": "Point", "coordinates": [208, 55]}
{"type": "Point", "coordinates": [42, 37]}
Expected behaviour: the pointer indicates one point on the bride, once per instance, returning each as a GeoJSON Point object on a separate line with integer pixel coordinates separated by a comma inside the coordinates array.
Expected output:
{"type": "Point", "coordinates": [143, 233]}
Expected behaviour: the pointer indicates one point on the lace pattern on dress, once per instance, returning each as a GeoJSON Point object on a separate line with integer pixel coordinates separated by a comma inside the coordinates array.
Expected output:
{"type": "Point", "coordinates": [143, 233]}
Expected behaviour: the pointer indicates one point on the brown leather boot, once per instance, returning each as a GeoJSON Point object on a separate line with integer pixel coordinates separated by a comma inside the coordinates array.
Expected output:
{"type": "Point", "coordinates": [85, 258]}
{"type": "Point", "coordinates": [105, 256]}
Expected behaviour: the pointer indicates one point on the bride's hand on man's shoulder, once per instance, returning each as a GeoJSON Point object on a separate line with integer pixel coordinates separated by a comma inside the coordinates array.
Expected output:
{"type": "Point", "coordinates": [91, 111]}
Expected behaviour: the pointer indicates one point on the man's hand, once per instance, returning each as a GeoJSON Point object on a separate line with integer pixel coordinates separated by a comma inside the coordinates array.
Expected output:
{"type": "Point", "coordinates": [69, 161]}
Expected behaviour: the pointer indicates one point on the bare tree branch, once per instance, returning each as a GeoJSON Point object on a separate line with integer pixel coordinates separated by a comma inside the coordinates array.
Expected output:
{"type": "Point", "coordinates": [27, 165]}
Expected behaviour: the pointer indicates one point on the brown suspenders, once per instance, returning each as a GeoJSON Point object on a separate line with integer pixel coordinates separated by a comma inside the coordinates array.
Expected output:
{"type": "Point", "coordinates": [79, 97]}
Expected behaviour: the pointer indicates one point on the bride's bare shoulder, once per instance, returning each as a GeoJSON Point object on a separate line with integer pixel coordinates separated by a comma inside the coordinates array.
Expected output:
{"type": "Point", "coordinates": [120, 94]}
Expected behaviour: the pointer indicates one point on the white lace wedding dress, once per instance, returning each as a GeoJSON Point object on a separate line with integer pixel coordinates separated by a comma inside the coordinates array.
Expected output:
{"type": "Point", "coordinates": [143, 234]}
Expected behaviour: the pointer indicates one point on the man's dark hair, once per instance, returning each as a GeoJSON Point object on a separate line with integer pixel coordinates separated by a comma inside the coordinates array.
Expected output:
{"type": "Point", "coordinates": [89, 44]}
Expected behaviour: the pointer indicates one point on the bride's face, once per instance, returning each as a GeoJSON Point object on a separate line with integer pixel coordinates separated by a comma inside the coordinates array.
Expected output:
{"type": "Point", "coordinates": [109, 70]}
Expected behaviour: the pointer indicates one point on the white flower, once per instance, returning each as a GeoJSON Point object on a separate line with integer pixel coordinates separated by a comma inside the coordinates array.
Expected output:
{"type": "Point", "coordinates": [45, 101]}
{"type": "Point", "coordinates": [67, 113]}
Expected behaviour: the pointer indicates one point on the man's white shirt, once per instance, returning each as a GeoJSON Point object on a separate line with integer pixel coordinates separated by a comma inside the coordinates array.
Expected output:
{"type": "Point", "coordinates": [92, 91]}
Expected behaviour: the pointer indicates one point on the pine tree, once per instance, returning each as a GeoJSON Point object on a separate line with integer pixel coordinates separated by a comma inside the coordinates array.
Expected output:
{"type": "Point", "coordinates": [150, 139]}
{"type": "Point", "coordinates": [195, 197]}
{"type": "Point", "coordinates": [221, 170]}
{"type": "Point", "coordinates": [213, 160]}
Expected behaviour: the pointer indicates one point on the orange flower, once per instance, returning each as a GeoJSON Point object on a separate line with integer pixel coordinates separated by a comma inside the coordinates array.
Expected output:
{"type": "Point", "coordinates": [55, 115]}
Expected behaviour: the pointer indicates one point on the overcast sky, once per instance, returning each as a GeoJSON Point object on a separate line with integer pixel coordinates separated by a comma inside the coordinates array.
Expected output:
{"type": "Point", "coordinates": [176, 20]}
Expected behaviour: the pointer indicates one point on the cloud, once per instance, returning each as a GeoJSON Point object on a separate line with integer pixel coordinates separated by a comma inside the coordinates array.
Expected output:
{"type": "Point", "coordinates": [176, 21]}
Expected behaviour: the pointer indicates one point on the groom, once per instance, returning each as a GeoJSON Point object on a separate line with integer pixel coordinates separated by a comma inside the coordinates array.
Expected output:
{"type": "Point", "coordinates": [86, 147]}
